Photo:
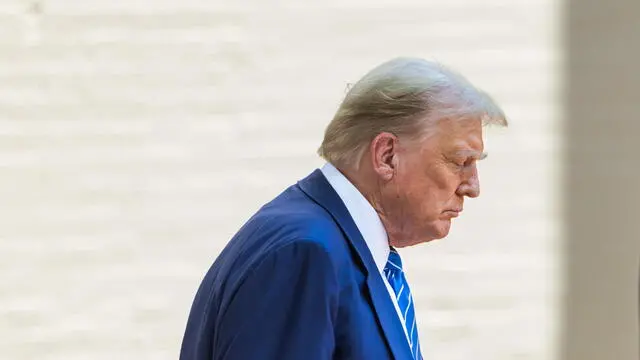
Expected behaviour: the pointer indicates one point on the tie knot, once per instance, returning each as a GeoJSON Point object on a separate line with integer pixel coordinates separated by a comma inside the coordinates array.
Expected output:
{"type": "Point", "coordinates": [394, 263]}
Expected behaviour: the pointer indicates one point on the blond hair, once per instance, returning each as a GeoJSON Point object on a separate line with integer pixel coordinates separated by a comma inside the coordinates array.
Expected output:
{"type": "Point", "coordinates": [402, 96]}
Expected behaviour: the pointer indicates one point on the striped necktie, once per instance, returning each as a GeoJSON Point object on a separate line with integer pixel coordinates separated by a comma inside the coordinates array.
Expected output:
{"type": "Point", "coordinates": [397, 280]}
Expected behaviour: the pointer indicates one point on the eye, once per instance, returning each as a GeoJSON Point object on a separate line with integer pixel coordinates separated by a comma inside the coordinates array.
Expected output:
{"type": "Point", "coordinates": [462, 162]}
{"type": "Point", "coordinates": [467, 163]}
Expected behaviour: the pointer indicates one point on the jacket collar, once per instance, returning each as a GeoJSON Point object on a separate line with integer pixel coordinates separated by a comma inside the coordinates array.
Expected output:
{"type": "Point", "coordinates": [362, 213]}
{"type": "Point", "coordinates": [319, 190]}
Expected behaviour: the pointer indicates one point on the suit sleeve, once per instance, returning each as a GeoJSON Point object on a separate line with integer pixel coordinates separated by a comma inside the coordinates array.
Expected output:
{"type": "Point", "coordinates": [284, 309]}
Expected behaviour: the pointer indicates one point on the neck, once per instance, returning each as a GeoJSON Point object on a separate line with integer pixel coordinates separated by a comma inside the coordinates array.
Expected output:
{"type": "Point", "coordinates": [372, 190]}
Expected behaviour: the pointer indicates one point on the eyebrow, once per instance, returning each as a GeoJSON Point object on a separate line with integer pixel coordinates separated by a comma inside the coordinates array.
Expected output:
{"type": "Point", "coordinates": [472, 153]}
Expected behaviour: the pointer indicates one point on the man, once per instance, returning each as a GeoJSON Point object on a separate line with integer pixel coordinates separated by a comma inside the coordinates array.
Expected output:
{"type": "Point", "coordinates": [314, 274]}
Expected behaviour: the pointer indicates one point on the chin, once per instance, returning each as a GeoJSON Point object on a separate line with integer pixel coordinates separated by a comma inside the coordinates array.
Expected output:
{"type": "Point", "coordinates": [440, 231]}
{"type": "Point", "coordinates": [433, 232]}
{"type": "Point", "coordinates": [420, 239]}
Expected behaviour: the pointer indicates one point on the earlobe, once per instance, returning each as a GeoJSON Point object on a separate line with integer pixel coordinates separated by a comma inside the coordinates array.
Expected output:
{"type": "Point", "coordinates": [387, 174]}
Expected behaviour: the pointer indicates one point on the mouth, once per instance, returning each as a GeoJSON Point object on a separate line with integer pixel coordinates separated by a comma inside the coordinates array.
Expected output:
{"type": "Point", "coordinates": [453, 213]}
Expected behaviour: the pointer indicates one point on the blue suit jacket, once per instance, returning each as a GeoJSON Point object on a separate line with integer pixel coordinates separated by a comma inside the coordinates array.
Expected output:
{"type": "Point", "coordinates": [296, 282]}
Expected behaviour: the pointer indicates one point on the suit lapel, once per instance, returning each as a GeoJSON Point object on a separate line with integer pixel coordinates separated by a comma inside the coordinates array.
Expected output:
{"type": "Point", "coordinates": [318, 188]}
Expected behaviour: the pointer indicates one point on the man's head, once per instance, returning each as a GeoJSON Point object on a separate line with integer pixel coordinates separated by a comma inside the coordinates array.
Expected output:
{"type": "Point", "coordinates": [408, 135]}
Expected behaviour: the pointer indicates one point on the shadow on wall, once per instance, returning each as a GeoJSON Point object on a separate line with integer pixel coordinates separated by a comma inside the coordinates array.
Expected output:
{"type": "Point", "coordinates": [601, 309]}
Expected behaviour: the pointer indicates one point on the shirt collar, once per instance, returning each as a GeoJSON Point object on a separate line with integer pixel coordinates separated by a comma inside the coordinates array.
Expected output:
{"type": "Point", "coordinates": [362, 213]}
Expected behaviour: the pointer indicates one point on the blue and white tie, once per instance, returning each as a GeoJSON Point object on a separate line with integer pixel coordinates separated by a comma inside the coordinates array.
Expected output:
{"type": "Point", "coordinates": [397, 280]}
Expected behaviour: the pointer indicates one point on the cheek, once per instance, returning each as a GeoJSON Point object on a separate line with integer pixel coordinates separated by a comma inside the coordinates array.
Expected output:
{"type": "Point", "coordinates": [445, 184]}
{"type": "Point", "coordinates": [432, 205]}
{"type": "Point", "coordinates": [425, 195]}
{"type": "Point", "coordinates": [421, 199]}
{"type": "Point", "coordinates": [434, 196]}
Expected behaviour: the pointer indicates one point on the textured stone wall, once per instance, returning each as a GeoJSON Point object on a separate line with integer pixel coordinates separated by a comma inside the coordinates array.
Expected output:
{"type": "Point", "coordinates": [136, 137]}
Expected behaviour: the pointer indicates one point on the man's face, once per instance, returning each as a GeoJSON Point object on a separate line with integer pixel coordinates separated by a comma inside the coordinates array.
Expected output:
{"type": "Point", "coordinates": [432, 178]}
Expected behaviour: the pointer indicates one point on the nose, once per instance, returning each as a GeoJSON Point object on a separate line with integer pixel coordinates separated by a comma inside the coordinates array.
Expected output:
{"type": "Point", "coordinates": [470, 187]}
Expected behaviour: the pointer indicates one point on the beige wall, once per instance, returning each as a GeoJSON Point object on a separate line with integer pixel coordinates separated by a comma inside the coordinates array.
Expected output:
{"type": "Point", "coordinates": [136, 137]}
{"type": "Point", "coordinates": [603, 133]}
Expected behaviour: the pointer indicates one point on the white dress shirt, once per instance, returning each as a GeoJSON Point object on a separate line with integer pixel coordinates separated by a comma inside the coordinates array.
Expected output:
{"type": "Point", "coordinates": [368, 223]}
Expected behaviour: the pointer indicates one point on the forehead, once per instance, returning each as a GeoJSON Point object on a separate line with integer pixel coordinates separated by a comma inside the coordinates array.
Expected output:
{"type": "Point", "coordinates": [460, 136]}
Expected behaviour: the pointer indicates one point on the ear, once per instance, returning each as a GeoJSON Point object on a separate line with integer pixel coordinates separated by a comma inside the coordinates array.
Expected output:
{"type": "Point", "coordinates": [384, 155]}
